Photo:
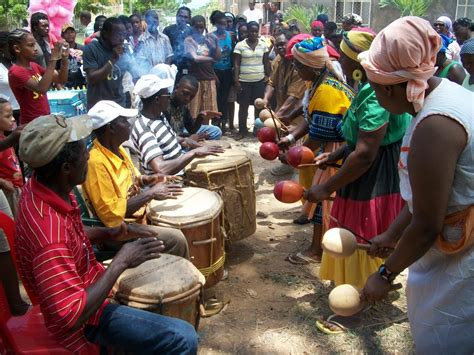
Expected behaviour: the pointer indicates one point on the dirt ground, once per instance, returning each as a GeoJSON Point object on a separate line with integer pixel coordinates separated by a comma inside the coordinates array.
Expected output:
{"type": "Point", "coordinates": [274, 304]}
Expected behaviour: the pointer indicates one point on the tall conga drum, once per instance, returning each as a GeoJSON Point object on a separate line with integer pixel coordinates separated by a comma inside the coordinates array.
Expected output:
{"type": "Point", "coordinates": [198, 214]}
{"type": "Point", "coordinates": [231, 175]}
{"type": "Point", "coordinates": [168, 285]}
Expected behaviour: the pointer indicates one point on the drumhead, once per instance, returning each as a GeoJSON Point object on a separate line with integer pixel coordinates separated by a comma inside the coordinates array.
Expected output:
{"type": "Point", "coordinates": [229, 159]}
{"type": "Point", "coordinates": [156, 280]}
{"type": "Point", "coordinates": [220, 143]}
{"type": "Point", "coordinates": [194, 207]}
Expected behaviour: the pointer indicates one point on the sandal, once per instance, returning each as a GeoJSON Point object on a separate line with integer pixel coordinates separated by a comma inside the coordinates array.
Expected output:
{"type": "Point", "coordinates": [212, 307]}
{"type": "Point", "coordinates": [302, 219]}
{"type": "Point", "coordinates": [300, 259]}
{"type": "Point", "coordinates": [329, 326]}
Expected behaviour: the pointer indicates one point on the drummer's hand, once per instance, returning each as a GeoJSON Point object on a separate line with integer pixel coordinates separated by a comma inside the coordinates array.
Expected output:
{"type": "Point", "coordinates": [382, 246]}
{"type": "Point", "coordinates": [317, 193]}
{"type": "Point", "coordinates": [150, 180]}
{"type": "Point", "coordinates": [208, 150]}
{"type": "Point", "coordinates": [163, 192]}
{"type": "Point", "coordinates": [284, 143]}
{"type": "Point", "coordinates": [322, 160]}
{"type": "Point", "coordinates": [134, 231]}
{"type": "Point", "coordinates": [190, 143]}
{"type": "Point", "coordinates": [283, 158]}
{"type": "Point", "coordinates": [199, 137]}
{"type": "Point", "coordinates": [208, 114]}
{"type": "Point", "coordinates": [376, 288]}
{"type": "Point", "coordinates": [134, 253]}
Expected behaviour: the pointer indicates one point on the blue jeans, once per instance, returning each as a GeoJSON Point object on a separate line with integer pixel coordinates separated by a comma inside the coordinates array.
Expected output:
{"type": "Point", "coordinates": [142, 332]}
{"type": "Point", "coordinates": [214, 132]}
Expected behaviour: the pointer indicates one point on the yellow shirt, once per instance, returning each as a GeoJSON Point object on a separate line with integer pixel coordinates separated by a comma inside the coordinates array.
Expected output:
{"type": "Point", "coordinates": [108, 181]}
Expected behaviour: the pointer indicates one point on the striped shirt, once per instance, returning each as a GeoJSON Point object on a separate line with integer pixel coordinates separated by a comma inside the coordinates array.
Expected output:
{"type": "Point", "coordinates": [154, 138]}
{"type": "Point", "coordinates": [56, 262]}
{"type": "Point", "coordinates": [251, 63]}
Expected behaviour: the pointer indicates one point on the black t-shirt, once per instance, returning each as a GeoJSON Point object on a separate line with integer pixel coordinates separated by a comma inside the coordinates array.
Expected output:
{"type": "Point", "coordinates": [75, 77]}
{"type": "Point", "coordinates": [177, 36]}
{"type": "Point", "coordinates": [96, 55]}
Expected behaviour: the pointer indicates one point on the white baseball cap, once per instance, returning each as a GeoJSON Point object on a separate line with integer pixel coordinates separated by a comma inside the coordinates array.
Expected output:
{"type": "Point", "coordinates": [149, 84]}
{"type": "Point", "coordinates": [106, 111]}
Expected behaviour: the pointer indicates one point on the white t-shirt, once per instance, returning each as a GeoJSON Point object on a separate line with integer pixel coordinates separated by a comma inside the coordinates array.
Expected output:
{"type": "Point", "coordinates": [253, 15]}
{"type": "Point", "coordinates": [5, 90]}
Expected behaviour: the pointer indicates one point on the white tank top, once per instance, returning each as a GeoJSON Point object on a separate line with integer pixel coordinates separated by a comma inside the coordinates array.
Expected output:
{"type": "Point", "coordinates": [454, 102]}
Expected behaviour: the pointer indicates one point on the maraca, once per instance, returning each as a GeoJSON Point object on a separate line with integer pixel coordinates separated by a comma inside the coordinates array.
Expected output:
{"type": "Point", "coordinates": [259, 104]}
{"type": "Point", "coordinates": [288, 191]}
{"type": "Point", "coordinates": [271, 124]}
{"type": "Point", "coordinates": [258, 123]}
{"type": "Point", "coordinates": [269, 151]}
{"type": "Point", "coordinates": [344, 300]}
{"type": "Point", "coordinates": [341, 243]}
{"type": "Point", "coordinates": [265, 114]}
{"type": "Point", "coordinates": [266, 134]}
{"type": "Point", "coordinates": [299, 155]}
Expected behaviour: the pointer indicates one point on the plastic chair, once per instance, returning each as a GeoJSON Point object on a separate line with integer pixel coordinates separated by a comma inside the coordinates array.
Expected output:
{"type": "Point", "coordinates": [25, 334]}
{"type": "Point", "coordinates": [86, 216]}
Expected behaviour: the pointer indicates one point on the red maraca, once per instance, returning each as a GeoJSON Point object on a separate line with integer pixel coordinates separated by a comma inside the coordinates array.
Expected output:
{"type": "Point", "coordinates": [266, 134]}
{"type": "Point", "coordinates": [288, 191]}
{"type": "Point", "coordinates": [299, 155]}
{"type": "Point", "coordinates": [269, 151]}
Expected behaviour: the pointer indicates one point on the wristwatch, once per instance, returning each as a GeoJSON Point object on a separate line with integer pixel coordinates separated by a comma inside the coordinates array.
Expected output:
{"type": "Point", "coordinates": [386, 274]}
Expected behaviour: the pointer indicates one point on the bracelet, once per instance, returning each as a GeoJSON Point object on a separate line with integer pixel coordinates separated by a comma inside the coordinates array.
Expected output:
{"type": "Point", "coordinates": [111, 64]}
{"type": "Point", "coordinates": [291, 138]}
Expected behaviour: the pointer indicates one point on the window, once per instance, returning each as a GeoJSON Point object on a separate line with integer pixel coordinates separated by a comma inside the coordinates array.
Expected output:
{"type": "Point", "coordinates": [361, 8]}
{"type": "Point", "coordinates": [465, 8]}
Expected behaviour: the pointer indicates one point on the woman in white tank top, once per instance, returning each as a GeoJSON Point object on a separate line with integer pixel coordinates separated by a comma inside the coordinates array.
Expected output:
{"type": "Point", "coordinates": [433, 235]}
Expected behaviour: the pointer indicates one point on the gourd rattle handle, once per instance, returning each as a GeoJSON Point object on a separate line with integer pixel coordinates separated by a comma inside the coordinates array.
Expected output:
{"type": "Point", "coordinates": [363, 246]}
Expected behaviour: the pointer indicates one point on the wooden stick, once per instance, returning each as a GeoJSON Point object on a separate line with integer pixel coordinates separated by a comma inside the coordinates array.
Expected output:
{"type": "Point", "coordinates": [341, 226]}
{"type": "Point", "coordinates": [332, 165]}
{"type": "Point", "coordinates": [274, 122]}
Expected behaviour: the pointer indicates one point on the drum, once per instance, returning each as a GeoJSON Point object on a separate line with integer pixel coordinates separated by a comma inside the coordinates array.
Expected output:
{"type": "Point", "coordinates": [198, 214]}
{"type": "Point", "coordinates": [230, 174]}
{"type": "Point", "coordinates": [168, 285]}
{"type": "Point", "coordinates": [222, 144]}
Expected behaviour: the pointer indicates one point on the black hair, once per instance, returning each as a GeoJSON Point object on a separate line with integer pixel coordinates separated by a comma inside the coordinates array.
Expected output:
{"type": "Point", "coordinates": [252, 24]}
{"type": "Point", "coordinates": [85, 14]}
{"type": "Point", "coordinates": [331, 26]}
{"type": "Point", "coordinates": [464, 22]}
{"type": "Point", "coordinates": [135, 15]}
{"type": "Point", "coordinates": [191, 80]}
{"type": "Point", "coordinates": [96, 22]}
{"type": "Point", "coordinates": [288, 34]}
{"type": "Point", "coordinates": [125, 19]}
{"type": "Point", "coordinates": [184, 8]}
{"type": "Point", "coordinates": [196, 19]}
{"type": "Point", "coordinates": [70, 153]}
{"type": "Point", "coordinates": [100, 17]}
{"type": "Point", "coordinates": [217, 15]}
{"type": "Point", "coordinates": [4, 40]}
{"type": "Point", "coordinates": [109, 24]}
{"type": "Point", "coordinates": [36, 18]}
{"type": "Point", "coordinates": [3, 101]}
{"type": "Point", "coordinates": [15, 37]}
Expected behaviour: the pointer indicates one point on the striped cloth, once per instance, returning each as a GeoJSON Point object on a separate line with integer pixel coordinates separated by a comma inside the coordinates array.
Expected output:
{"type": "Point", "coordinates": [56, 262]}
{"type": "Point", "coordinates": [154, 138]}
{"type": "Point", "coordinates": [251, 64]}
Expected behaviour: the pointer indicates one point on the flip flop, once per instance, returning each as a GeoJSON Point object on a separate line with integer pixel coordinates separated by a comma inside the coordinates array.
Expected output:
{"type": "Point", "coordinates": [212, 307]}
{"type": "Point", "coordinates": [300, 259]}
{"type": "Point", "coordinates": [329, 326]}
{"type": "Point", "coordinates": [301, 220]}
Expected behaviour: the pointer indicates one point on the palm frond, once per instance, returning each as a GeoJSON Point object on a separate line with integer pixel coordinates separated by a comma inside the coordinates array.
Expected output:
{"type": "Point", "coordinates": [304, 15]}
{"type": "Point", "coordinates": [408, 7]}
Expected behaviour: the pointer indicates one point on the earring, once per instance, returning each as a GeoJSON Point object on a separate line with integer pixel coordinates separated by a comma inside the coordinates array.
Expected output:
{"type": "Point", "coordinates": [357, 75]}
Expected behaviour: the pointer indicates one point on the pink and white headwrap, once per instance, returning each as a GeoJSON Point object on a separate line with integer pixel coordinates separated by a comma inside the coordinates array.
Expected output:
{"type": "Point", "coordinates": [404, 51]}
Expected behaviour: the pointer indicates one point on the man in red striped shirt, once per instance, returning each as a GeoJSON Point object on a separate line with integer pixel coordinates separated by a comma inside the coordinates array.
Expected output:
{"type": "Point", "coordinates": [56, 260]}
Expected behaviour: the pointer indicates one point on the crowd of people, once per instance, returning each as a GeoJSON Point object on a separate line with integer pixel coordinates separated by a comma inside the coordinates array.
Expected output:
{"type": "Point", "coordinates": [389, 116]}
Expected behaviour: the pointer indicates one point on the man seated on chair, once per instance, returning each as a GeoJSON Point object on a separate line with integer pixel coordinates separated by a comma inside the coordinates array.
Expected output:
{"type": "Point", "coordinates": [56, 260]}
{"type": "Point", "coordinates": [115, 188]}
{"type": "Point", "coordinates": [161, 150]}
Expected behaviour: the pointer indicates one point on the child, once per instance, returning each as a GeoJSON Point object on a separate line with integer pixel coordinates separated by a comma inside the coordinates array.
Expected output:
{"type": "Point", "coordinates": [30, 81]}
{"type": "Point", "coordinates": [11, 179]}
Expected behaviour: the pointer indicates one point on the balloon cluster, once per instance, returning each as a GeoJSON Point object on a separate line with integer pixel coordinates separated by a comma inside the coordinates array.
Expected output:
{"type": "Point", "coordinates": [59, 12]}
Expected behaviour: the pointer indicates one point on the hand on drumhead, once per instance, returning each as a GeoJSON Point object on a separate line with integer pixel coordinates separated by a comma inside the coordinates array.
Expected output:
{"type": "Point", "coordinates": [134, 231]}
{"type": "Point", "coordinates": [189, 143]}
{"type": "Point", "coordinates": [150, 180]}
{"type": "Point", "coordinates": [134, 253]}
{"type": "Point", "coordinates": [163, 192]}
{"type": "Point", "coordinates": [208, 150]}
{"type": "Point", "coordinates": [199, 137]}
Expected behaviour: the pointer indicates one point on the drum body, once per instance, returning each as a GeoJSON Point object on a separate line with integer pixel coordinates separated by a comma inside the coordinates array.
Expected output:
{"type": "Point", "coordinates": [231, 175]}
{"type": "Point", "coordinates": [168, 285]}
{"type": "Point", "coordinates": [198, 214]}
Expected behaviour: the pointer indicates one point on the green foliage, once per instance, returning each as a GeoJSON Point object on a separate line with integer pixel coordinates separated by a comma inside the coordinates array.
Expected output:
{"type": "Point", "coordinates": [206, 10]}
{"type": "Point", "coordinates": [408, 7]}
{"type": "Point", "coordinates": [304, 15]}
{"type": "Point", "coordinates": [12, 12]}
{"type": "Point", "coordinates": [96, 7]}
{"type": "Point", "coordinates": [166, 7]}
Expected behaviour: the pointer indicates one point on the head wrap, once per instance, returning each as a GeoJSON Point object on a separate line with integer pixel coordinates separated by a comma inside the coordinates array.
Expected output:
{"type": "Point", "coordinates": [404, 51]}
{"type": "Point", "coordinates": [353, 19]}
{"type": "Point", "coordinates": [445, 42]}
{"type": "Point", "coordinates": [317, 24]}
{"type": "Point", "coordinates": [448, 23]}
{"type": "Point", "coordinates": [356, 41]}
{"type": "Point", "coordinates": [323, 18]}
{"type": "Point", "coordinates": [313, 53]}
{"type": "Point", "coordinates": [468, 47]}
{"type": "Point", "coordinates": [292, 42]}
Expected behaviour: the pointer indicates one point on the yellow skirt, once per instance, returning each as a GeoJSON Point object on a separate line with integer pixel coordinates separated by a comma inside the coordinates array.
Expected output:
{"type": "Point", "coordinates": [353, 270]}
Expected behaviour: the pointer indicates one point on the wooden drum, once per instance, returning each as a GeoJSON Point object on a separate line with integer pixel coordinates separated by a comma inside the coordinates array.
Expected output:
{"type": "Point", "coordinates": [230, 174]}
{"type": "Point", "coordinates": [168, 285]}
{"type": "Point", "coordinates": [198, 214]}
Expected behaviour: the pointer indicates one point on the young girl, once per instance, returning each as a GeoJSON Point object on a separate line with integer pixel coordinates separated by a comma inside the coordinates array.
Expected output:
{"type": "Point", "coordinates": [11, 179]}
{"type": "Point", "coordinates": [30, 81]}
